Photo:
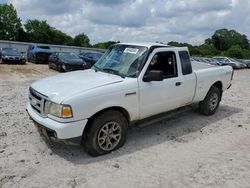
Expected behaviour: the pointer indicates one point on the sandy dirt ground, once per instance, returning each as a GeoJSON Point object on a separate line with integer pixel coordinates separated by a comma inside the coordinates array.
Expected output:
{"type": "Point", "coordinates": [186, 150]}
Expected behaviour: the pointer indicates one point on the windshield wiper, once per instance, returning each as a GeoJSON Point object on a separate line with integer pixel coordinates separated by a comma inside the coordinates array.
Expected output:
{"type": "Point", "coordinates": [109, 70]}
{"type": "Point", "coordinates": [96, 68]}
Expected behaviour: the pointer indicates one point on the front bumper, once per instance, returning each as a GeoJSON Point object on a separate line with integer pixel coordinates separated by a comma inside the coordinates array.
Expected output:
{"type": "Point", "coordinates": [73, 67]}
{"type": "Point", "coordinates": [13, 61]}
{"type": "Point", "coordinates": [61, 130]}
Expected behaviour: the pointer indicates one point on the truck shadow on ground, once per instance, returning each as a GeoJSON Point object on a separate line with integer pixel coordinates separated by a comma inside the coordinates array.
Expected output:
{"type": "Point", "coordinates": [181, 128]}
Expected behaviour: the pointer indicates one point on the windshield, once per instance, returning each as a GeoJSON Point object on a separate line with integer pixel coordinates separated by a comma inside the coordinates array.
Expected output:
{"type": "Point", "coordinates": [10, 51]}
{"type": "Point", "coordinates": [234, 60]}
{"type": "Point", "coordinates": [68, 56]}
{"type": "Point", "coordinates": [123, 60]}
{"type": "Point", "coordinates": [221, 59]}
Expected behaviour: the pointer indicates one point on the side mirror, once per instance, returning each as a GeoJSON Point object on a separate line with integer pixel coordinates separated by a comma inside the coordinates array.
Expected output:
{"type": "Point", "coordinates": [153, 75]}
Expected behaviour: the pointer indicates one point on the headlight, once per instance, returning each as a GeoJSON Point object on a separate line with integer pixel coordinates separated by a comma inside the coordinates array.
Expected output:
{"type": "Point", "coordinates": [58, 110]}
{"type": "Point", "coordinates": [64, 67]}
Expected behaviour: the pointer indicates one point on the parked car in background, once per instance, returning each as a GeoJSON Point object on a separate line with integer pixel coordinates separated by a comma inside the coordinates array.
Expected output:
{"type": "Point", "coordinates": [66, 61]}
{"type": "Point", "coordinates": [38, 54]}
{"type": "Point", "coordinates": [206, 60]}
{"type": "Point", "coordinates": [91, 57]}
{"type": "Point", "coordinates": [11, 55]}
{"type": "Point", "coordinates": [245, 61]}
{"type": "Point", "coordinates": [230, 61]}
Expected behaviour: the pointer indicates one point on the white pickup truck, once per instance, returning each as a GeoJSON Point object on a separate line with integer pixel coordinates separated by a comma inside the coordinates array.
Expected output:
{"type": "Point", "coordinates": [131, 82]}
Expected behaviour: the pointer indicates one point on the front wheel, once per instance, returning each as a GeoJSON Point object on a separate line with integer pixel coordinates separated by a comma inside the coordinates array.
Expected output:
{"type": "Point", "coordinates": [211, 102]}
{"type": "Point", "coordinates": [107, 132]}
{"type": "Point", "coordinates": [60, 68]}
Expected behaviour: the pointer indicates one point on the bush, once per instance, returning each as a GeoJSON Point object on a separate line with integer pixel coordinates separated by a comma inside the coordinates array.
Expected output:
{"type": "Point", "coordinates": [235, 52]}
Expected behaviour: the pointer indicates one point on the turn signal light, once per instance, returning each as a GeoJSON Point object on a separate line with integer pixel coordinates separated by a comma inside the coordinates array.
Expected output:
{"type": "Point", "coordinates": [67, 112]}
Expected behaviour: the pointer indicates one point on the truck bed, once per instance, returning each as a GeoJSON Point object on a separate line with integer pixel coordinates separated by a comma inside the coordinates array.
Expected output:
{"type": "Point", "coordinates": [207, 75]}
{"type": "Point", "coordinates": [198, 66]}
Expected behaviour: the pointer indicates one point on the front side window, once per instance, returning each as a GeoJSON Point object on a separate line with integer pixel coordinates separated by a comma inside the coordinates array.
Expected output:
{"type": "Point", "coordinates": [123, 60]}
{"type": "Point", "coordinates": [165, 62]}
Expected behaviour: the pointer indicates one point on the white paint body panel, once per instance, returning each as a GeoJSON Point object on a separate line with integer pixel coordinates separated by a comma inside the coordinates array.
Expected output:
{"type": "Point", "coordinates": [89, 92]}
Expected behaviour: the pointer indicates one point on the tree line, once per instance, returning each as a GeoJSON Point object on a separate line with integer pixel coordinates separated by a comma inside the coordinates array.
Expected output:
{"type": "Point", "coordinates": [223, 42]}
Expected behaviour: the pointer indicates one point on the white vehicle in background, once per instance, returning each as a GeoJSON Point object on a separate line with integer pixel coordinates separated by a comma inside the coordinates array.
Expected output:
{"type": "Point", "coordinates": [230, 61]}
{"type": "Point", "coordinates": [131, 82]}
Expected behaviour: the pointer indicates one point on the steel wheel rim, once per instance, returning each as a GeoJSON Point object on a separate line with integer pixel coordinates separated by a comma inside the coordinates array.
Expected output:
{"type": "Point", "coordinates": [213, 102]}
{"type": "Point", "coordinates": [109, 136]}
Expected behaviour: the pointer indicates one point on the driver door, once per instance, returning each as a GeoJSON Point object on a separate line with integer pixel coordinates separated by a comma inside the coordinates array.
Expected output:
{"type": "Point", "coordinates": [160, 96]}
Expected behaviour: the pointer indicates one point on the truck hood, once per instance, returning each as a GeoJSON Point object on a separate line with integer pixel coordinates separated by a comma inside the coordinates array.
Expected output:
{"type": "Point", "coordinates": [58, 88]}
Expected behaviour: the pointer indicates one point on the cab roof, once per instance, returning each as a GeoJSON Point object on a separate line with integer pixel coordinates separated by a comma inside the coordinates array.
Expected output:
{"type": "Point", "coordinates": [146, 44]}
{"type": "Point", "coordinates": [152, 44]}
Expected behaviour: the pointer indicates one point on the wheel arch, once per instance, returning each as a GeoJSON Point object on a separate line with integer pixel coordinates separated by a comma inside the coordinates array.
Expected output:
{"type": "Point", "coordinates": [219, 85]}
{"type": "Point", "coordinates": [116, 108]}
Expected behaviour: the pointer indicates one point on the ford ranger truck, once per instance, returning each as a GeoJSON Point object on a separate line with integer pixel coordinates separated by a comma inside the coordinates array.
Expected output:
{"type": "Point", "coordinates": [129, 83]}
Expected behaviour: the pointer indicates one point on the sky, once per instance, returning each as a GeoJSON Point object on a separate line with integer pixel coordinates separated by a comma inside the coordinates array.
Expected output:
{"type": "Point", "coordinates": [189, 21]}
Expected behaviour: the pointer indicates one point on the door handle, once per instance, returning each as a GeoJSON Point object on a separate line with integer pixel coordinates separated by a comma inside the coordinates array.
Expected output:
{"type": "Point", "coordinates": [178, 83]}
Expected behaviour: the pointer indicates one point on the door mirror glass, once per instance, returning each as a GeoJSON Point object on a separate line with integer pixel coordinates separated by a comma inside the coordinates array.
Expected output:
{"type": "Point", "coordinates": [153, 75]}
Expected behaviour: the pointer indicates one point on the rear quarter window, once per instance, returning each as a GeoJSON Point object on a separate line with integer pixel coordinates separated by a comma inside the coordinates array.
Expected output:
{"type": "Point", "coordinates": [185, 62]}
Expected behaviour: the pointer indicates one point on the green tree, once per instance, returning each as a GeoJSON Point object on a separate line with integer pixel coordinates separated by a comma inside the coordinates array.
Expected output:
{"type": "Point", "coordinates": [235, 51]}
{"type": "Point", "coordinates": [208, 50]}
{"type": "Point", "coordinates": [246, 54]}
{"type": "Point", "coordinates": [60, 38]}
{"type": "Point", "coordinates": [105, 45]}
{"type": "Point", "coordinates": [38, 31]}
{"type": "Point", "coordinates": [41, 32]}
{"type": "Point", "coordinates": [81, 40]}
{"type": "Point", "coordinates": [223, 39]}
{"type": "Point", "coordinates": [10, 24]}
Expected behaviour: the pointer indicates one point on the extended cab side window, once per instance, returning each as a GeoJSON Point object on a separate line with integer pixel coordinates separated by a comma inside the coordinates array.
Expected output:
{"type": "Point", "coordinates": [185, 62]}
{"type": "Point", "coordinates": [165, 62]}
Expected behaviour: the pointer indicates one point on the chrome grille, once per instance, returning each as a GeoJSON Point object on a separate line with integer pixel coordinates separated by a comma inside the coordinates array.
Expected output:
{"type": "Point", "coordinates": [13, 58]}
{"type": "Point", "coordinates": [37, 101]}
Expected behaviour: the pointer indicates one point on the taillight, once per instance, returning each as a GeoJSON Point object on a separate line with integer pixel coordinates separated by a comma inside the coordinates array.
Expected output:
{"type": "Point", "coordinates": [232, 75]}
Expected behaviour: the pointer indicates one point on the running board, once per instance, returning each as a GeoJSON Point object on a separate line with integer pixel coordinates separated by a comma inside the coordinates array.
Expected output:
{"type": "Point", "coordinates": [160, 117]}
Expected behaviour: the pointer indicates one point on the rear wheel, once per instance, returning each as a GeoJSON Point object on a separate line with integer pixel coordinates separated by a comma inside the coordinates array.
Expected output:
{"type": "Point", "coordinates": [107, 132]}
{"type": "Point", "coordinates": [211, 102]}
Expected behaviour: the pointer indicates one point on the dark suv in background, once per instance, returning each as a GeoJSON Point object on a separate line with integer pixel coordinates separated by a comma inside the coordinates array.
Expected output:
{"type": "Point", "coordinates": [38, 54]}
{"type": "Point", "coordinates": [11, 55]}
{"type": "Point", "coordinates": [91, 57]}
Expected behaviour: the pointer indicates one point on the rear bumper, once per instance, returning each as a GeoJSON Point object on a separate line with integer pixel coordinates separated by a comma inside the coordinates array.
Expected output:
{"type": "Point", "coordinates": [58, 130]}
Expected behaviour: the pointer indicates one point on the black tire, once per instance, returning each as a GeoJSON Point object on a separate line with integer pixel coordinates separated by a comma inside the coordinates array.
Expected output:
{"type": "Point", "coordinates": [211, 102]}
{"type": "Point", "coordinates": [95, 133]}
{"type": "Point", "coordinates": [59, 68]}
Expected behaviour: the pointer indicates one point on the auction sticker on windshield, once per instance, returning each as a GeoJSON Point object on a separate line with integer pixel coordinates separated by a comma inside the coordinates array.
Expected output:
{"type": "Point", "coordinates": [131, 50]}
